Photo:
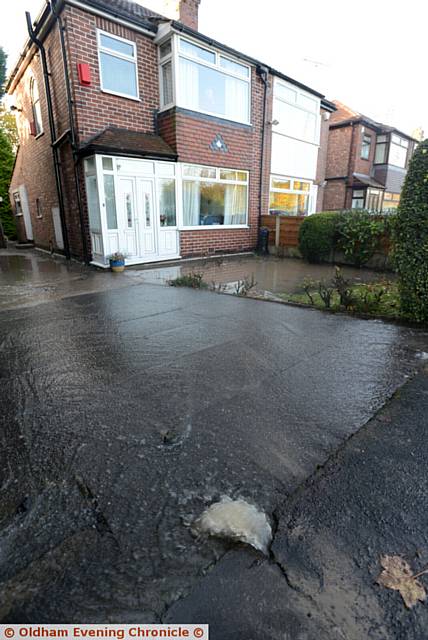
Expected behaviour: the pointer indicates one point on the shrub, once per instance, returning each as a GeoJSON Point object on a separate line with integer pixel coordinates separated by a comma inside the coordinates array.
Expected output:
{"type": "Point", "coordinates": [411, 238]}
{"type": "Point", "coordinates": [6, 167]}
{"type": "Point", "coordinates": [194, 280]}
{"type": "Point", "coordinates": [359, 235]}
{"type": "Point", "coordinates": [317, 236]}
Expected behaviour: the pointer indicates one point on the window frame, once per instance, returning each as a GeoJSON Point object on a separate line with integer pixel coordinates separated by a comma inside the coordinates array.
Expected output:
{"type": "Point", "coordinates": [121, 56]}
{"type": "Point", "coordinates": [402, 143]}
{"type": "Point", "coordinates": [279, 82]}
{"type": "Point", "coordinates": [17, 198]}
{"type": "Point", "coordinates": [175, 56]}
{"type": "Point", "coordinates": [291, 191]}
{"type": "Point", "coordinates": [366, 143]}
{"type": "Point", "coordinates": [217, 180]}
{"type": "Point", "coordinates": [36, 104]}
{"type": "Point", "coordinates": [363, 197]}
{"type": "Point", "coordinates": [162, 61]}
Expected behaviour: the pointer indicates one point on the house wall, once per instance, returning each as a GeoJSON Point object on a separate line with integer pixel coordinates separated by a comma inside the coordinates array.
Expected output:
{"type": "Point", "coordinates": [190, 135]}
{"type": "Point", "coordinates": [334, 195]}
{"type": "Point", "coordinates": [322, 158]}
{"type": "Point", "coordinates": [34, 163]}
{"type": "Point", "coordinates": [359, 164]}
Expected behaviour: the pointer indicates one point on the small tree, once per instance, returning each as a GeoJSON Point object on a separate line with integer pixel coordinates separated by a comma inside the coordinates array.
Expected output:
{"type": "Point", "coordinates": [3, 58]}
{"type": "Point", "coordinates": [411, 238]}
{"type": "Point", "coordinates": [6, 166]}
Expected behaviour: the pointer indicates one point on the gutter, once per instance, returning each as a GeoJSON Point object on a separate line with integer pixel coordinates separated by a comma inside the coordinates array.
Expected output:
{"type": "Point", "coordinates": [263, 73]}
{"type": "Point", "coordinates": [46, 76]}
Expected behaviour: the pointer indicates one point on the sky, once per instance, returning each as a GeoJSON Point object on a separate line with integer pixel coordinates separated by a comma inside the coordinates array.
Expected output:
{"type": "Point", "coordinates": [370, 55]}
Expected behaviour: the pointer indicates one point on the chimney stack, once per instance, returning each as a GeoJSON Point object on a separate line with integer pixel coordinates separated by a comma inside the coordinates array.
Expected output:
{"type": "Point", "coordinates": [185, 11]}
{"type": "Point", "coordinates": [188, 13]}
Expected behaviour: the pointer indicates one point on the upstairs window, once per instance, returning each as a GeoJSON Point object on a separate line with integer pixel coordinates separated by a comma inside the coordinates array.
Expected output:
{"type": "Point", "coordinates": [211, 83]}
{"type": "Point", "coordinates": [296, 112]}
{"type": "Point", "coordinates": [365, 146]}
{"type": "Point", "coordinates": [381, 149]}
{"type": "Point", "coordinates": [118, 65]}
{"type": "Point", "coordinates": [166, 76]}
{"type": "Point", "coordinates": [35, 106]}
{"type": "Point", "coordinates": [398, 151]}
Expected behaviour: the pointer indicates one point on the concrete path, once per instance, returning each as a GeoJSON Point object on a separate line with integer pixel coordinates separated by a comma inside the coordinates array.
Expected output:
{"type": "Point", "coordinates": [126, 412]}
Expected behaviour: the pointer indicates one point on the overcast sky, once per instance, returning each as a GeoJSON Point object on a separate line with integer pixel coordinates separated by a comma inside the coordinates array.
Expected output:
{"type": "Point", "coordinates": [371, 55]}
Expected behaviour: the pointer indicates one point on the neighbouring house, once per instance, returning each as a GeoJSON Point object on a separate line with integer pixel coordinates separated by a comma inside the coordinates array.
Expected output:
{"type": "Point", "coordinates": [139, 134]}
{"type": "Point", "coordinates": [366, 162]}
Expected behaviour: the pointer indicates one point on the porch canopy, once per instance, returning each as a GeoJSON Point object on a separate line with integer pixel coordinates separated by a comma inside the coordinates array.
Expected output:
{"type": "Point", "coordinates": [123, 142]}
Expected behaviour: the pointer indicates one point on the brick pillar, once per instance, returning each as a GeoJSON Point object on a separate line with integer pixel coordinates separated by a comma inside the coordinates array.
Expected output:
{"type": "Point", "coordinates": [188, 13]}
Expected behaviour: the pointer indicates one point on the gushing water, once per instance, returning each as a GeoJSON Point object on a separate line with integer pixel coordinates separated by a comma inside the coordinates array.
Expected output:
{"type": "Point", "coordinates": [236, 520]}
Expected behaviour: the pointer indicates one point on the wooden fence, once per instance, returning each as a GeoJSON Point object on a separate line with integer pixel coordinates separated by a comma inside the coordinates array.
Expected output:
{"type": "Point", "coordinates": [283, 230]}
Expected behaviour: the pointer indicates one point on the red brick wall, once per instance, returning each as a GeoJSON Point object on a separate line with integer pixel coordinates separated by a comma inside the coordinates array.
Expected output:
{"type": "Point", "coordinates": [97, 110]}
{"type": "Point", "coordinates": [34, 164]}
{"type": "Point", "coordinates": [338, 153]}
{"type": "Point", "coordinates": [334, 195]}
{"type": "Point", "coordinates": [360, 165]}
{"type": "Point", "coordinates": [322, 158]}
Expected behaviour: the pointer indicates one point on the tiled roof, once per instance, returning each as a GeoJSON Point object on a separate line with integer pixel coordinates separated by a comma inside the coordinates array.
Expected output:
{"type": "Point", "coordinates": [129, 10]}
{"type": "Point", "coordinates": [367, 181]}
{"type": "Point", "coordinates": [131, 143]}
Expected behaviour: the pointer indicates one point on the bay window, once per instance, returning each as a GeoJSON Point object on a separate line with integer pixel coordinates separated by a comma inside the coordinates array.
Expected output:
{"type": "Point", "coordinates": [381, 149]}
{"type": "Point", "coordinates": [365, 146]}
{"type": "Point", "coordinates": [204, 80]}
{"type": "Point", "coordinates": [289, 196]}
{"type": "Point", "coordinates": [390, 201]}
{"type": "Point", "coordinates": [118, 65]}
{"type": "Point", "coordinates": [213, 196]}
{"type": "Point", "coordinates": [398, 151]}
{"type": "Point", "coordinates": [296, 113]}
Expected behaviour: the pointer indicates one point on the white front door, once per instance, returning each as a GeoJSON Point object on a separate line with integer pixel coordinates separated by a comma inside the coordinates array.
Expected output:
{"type": "Point", "coordinates": [26, 212]}
{"type": "Point", "coordinates": [146, 218]}
{"type": "Point", "coordinates": [128, 218]}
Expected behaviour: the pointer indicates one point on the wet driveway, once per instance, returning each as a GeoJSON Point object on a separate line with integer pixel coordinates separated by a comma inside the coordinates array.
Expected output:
{"type": "Point", "coordinates": [125, 412]}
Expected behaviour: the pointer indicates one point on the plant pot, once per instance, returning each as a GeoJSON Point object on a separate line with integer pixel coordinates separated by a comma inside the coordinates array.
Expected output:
{"type": "Point", "coordinates": [117, 265]}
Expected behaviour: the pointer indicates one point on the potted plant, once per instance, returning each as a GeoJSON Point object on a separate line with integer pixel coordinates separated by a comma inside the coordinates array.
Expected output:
{"type": "Point", "coordinates": [117, 262]}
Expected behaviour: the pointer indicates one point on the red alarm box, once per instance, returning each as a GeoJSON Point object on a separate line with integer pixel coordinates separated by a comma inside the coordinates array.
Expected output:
{"type": "Point", "coordinates": [84, 73]}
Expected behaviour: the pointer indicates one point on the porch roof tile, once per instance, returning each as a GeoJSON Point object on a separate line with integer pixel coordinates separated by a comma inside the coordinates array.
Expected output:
{"type": "Point", "coordinates": [124, 142]}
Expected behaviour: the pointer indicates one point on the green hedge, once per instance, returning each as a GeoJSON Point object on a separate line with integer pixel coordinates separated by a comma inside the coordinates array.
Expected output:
{"type": "Point", "coordinates": [6, 166]}
{"type": "Point", "coordinates": [411, 238]}
{"type": "Point", "coordinates": [357, 234]}
{"type": "Point", "coordinates": [317, 236]}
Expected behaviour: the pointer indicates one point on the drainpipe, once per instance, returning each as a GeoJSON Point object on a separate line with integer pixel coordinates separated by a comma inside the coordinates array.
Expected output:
{"type": "Point", "coordinates": [72, 128]}
{"type": "Point", "coordinates": [56, 161]}
{"type": "Point", "coordinates": [263, 74]}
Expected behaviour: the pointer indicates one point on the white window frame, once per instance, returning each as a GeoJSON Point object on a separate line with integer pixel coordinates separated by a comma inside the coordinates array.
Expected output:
{"type": "Point", "coordinates": [175, 56]}
{"type": "Point", "coordinates": [17, 198]}
{"type": "Point", "coordinates": [36, 107]}
{"type": "Point", "coordinates": [292, 190]}
{"type": "Point", "coordinates": [402, 143]}
{"type": "Point", "coordinates": [209, 227]}
{"type": "Point", "coordinates": [121, 56]}
{"type": "Point", "coordinates": [298, 93]}
{"type": "Point", "coordinates": [170, 57]}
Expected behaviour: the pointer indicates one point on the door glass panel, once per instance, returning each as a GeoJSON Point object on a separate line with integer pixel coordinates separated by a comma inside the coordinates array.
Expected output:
{"type": "Point", "coordinates": [110, 200]}
{"type": "Point", "coordinates": [167, 217]}
{"type": "Point", "coordinates": [128, 208]}
{"type": "Point", "coordinates": [147, 209]}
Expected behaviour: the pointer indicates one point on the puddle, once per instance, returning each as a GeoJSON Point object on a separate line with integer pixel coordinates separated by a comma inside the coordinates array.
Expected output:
{"type": "Point", "coordinates": [236, 520]}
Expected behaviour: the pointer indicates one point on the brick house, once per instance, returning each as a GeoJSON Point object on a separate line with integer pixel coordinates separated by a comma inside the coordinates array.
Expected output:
{"type": "Point", "coordinates": [366, 162]}
{"type": "Point", "coordinates": [139, 134]}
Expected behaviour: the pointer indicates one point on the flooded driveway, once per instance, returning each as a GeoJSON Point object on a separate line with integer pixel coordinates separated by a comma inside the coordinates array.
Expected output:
{"type": "Point", "coordinates": [31, 277]}
{"type": "Point", "coordinates": [127, 411]}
